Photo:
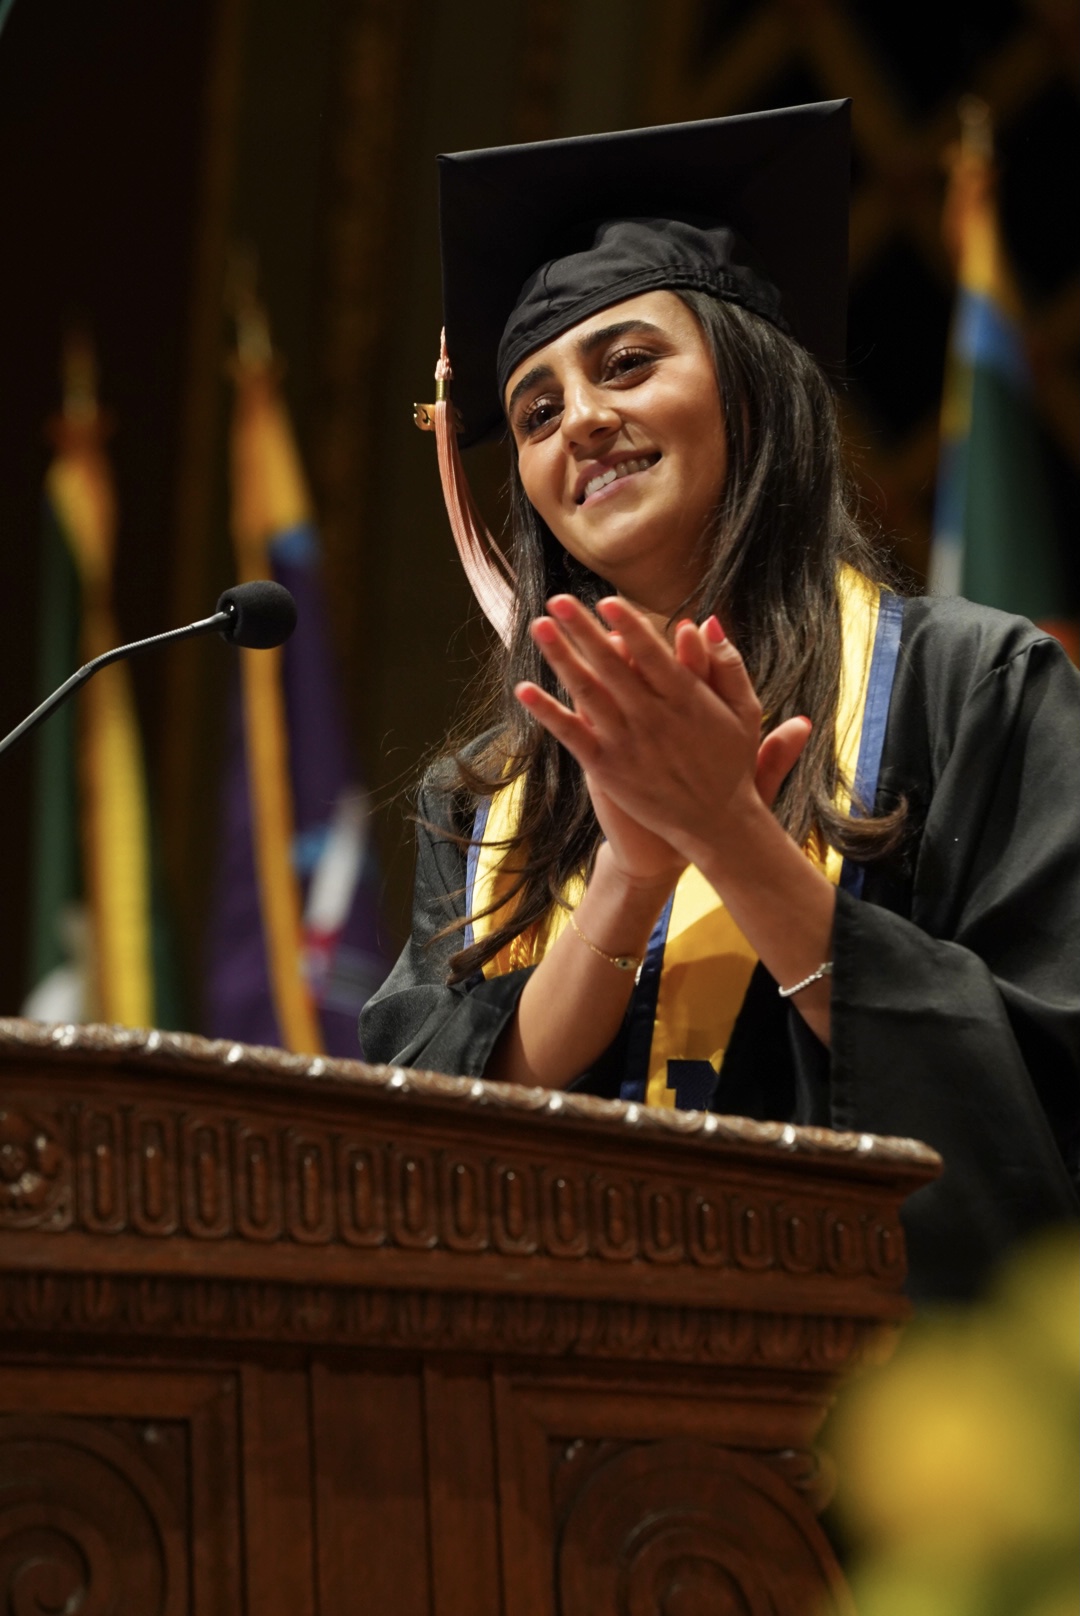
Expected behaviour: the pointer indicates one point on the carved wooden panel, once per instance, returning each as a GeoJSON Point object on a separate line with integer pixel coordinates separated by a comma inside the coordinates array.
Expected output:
{"type": "Point", "coordinates": [85, 1523]}
{"type": "Point", "coordinates": [677, 1526]}
{"type": "Point", "coordinates": [118, 1493]}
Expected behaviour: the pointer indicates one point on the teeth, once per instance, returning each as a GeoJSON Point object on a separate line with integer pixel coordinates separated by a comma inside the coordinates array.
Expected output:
{"type": "Point", "coordinates": [625, 468]}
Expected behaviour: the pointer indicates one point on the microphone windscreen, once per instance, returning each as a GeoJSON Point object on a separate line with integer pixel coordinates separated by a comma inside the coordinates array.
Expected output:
{"type": "Point", "coordinates": [263, 614]}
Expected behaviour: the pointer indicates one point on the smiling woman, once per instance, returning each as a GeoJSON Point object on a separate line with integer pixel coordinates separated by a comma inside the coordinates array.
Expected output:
{"type": "Point", "coordinates": [619, 432]}
{"type": "Point", "coordinates": [739, 828]}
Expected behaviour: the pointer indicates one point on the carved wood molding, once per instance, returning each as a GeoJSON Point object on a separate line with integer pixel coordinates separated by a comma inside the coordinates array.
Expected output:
{"type": "Point", "coordinates": [187, 1054]}
{"type": "Point", "coordinates": [163, 1171]}
{"type": "Point", "coordinates": [40, 1305]}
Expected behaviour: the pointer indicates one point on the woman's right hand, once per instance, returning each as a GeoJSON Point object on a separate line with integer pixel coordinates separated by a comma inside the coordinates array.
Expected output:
{"type": "Point", "coordinates": [642, 858]}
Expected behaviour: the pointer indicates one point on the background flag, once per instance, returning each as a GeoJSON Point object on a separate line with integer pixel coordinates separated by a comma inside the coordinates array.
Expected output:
{"type": "Point", "coordinates": [995, 535]}
{"type": "Point", "coordinates": [99, 944]}
{"type": "Point", "coordinates": [294, 950]}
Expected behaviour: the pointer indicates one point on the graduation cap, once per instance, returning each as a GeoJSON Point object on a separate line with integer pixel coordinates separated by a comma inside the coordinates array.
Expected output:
{"type": "Point", "coordinates": [752, 209]}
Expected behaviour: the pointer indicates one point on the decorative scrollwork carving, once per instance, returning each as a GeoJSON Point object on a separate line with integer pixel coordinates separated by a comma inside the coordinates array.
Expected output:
{"type": "Point", "coordinates": [35, 1171]}
{"type": "Point", "coordinates": [678, 1525]}
{"type": "Point", "coordinates": [213, 1174]}
{"type": "Point", "coordinates": [85, 1524]}
{"type": "Point", "coordinates": [153, 1170]}
{"type": "Point", "coordinates": [309, 1187]}
{"type": "Point", "coordinates": [102, 1175]}
{"type": "Point", "coordinates": [206, 1177]}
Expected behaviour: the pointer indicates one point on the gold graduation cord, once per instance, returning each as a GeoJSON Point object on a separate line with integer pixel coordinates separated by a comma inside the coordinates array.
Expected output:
{"type": "Point", "coordinates": [115, 820]}
{"type": "Point", "coordinates": [268, 497]}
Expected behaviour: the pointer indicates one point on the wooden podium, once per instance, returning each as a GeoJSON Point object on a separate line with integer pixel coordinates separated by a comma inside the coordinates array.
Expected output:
{"type": "Point", "coordinates": [298, 1337]}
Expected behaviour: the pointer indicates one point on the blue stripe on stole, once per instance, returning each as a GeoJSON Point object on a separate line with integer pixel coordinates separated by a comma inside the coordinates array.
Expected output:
{"type": "Point", "coordinates": [472, 860]}
{"type": "Point", "coordinates": [875, 718]}
{"type": "Point", "coordinates": [641, 1013]}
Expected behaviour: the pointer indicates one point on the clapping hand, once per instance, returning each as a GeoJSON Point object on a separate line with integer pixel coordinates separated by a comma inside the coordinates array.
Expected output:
{"type": "Point", "coordinates": [669, 736]}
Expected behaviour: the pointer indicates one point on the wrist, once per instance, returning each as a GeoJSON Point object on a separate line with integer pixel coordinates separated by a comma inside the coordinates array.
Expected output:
{"type": "Point", "coordinates": [744, 833]}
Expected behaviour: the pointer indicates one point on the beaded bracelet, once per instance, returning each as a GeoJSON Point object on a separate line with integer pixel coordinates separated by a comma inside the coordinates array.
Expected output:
{"type": "Point", "coordinates": [807, 981]}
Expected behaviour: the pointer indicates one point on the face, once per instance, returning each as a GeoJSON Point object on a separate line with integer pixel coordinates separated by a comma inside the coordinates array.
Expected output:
{"type": "Point", "coordinates": [619, 432]}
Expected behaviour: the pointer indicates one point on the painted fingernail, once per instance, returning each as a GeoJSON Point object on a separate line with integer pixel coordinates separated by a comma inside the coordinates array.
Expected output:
{"type": "Point", "coordinates": [714, 632]}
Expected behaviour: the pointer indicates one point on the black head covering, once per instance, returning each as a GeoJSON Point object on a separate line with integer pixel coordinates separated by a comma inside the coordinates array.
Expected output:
{"type": "Point", "coordinates": [752, 209]}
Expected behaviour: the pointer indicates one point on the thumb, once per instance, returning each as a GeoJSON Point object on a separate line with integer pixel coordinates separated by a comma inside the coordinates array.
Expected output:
{"type": "Point", "coordinates": [777, 756]}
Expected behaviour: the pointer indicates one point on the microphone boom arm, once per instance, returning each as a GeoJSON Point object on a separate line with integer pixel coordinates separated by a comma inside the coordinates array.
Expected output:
{"type": "Point", "coordinates": [206, 625]}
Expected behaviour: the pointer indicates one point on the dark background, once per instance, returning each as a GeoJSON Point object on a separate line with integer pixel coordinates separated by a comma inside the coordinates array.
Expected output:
{"type": "Point", "coordinates": [138, 142]}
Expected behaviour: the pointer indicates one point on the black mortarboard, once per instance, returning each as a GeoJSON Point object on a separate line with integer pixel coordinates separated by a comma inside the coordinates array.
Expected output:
{"type": "Point", "coordinates": [760, 210]}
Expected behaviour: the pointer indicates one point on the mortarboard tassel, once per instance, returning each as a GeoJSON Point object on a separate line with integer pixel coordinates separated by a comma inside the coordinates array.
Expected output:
{"type": "Point", "coordinates": [490, 575]}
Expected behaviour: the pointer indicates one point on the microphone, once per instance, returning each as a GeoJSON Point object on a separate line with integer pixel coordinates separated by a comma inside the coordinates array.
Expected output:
{"type": "Point", "coordinates": [260, 615]}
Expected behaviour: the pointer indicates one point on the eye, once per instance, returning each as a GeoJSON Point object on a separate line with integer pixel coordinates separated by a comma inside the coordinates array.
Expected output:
{"type": "Point", "coordinates": [536, 415]}
{"type": "Point", "coordinates": [626, 362]}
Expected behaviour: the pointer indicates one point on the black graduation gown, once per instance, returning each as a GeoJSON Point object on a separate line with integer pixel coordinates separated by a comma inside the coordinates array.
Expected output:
{"type": "Point", "coordinates": [956, 984]}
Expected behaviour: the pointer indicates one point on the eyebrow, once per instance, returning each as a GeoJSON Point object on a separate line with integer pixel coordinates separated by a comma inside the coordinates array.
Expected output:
{"type": "Point", "coordinates": [585, 346]}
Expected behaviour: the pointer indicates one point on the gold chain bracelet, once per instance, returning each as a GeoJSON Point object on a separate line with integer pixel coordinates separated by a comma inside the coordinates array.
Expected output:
{"type": "Point", "coordinates": [621, 962]}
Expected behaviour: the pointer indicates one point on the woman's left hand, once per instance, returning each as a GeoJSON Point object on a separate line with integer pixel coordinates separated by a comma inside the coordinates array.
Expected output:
{"type": "Point", "coordinates": [699, 648]}
{"type": "Point", "coordinates": [674, 751]}
{"type": "Point", "coordinates": [672, 739]}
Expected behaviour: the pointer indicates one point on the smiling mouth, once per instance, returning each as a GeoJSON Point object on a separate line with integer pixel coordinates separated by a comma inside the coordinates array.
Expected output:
{"type": "Point", "coordinates": [625, 468]}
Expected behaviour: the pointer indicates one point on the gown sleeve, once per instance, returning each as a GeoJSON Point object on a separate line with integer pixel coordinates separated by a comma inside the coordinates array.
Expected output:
{"type": "Point", "coordinates": [958, 1021]}
{"type": "Point", "coordinates": [415, 1018]}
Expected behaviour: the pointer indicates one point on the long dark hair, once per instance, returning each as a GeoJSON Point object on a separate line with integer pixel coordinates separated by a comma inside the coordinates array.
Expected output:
{"type": "Point", "coordinates": [771, 555]}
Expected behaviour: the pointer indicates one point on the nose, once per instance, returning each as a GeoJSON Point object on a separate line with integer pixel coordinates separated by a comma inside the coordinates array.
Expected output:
{"type": "Point", "coordinates": [588, 413]}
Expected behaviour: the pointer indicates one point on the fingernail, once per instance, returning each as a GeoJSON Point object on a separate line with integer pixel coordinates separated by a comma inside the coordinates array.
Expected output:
{"type": "Point", "coordinates": [561, 606]}
{"type": "Point", "coordinates": [714, 632]}
{"type": "Point", "coordinates": [544, 629]}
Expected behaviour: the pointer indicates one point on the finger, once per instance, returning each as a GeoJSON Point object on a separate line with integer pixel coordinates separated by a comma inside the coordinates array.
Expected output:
{"type": "Point", "coordinates": [691, 651]}
{"type": "Point", "coordinates": [728, 676]}
{"type": "Point", "coordinates": [567, 727]}
{"type": "Point", "coordinates": [593, 643]}
{"type": "Point", "coordinates": [586, 688]}
{"type": "Point", "coordinates": [652, 656]}
{"type": "Point", "coordinates": [777, 756]}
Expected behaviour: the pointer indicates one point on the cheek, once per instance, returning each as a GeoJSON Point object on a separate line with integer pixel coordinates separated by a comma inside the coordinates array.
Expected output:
{"type": "Point", "coordinates": [697, 426]}
{"type": "Point", "coordinates": [541, 480]}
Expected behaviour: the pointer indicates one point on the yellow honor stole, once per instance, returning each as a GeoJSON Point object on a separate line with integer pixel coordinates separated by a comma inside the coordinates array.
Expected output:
{"type": "Point", "coordinates": [707, 962]}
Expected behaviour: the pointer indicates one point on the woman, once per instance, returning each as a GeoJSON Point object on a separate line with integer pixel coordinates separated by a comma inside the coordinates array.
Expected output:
{"type": "Point", "coordinates": [859, 921]}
